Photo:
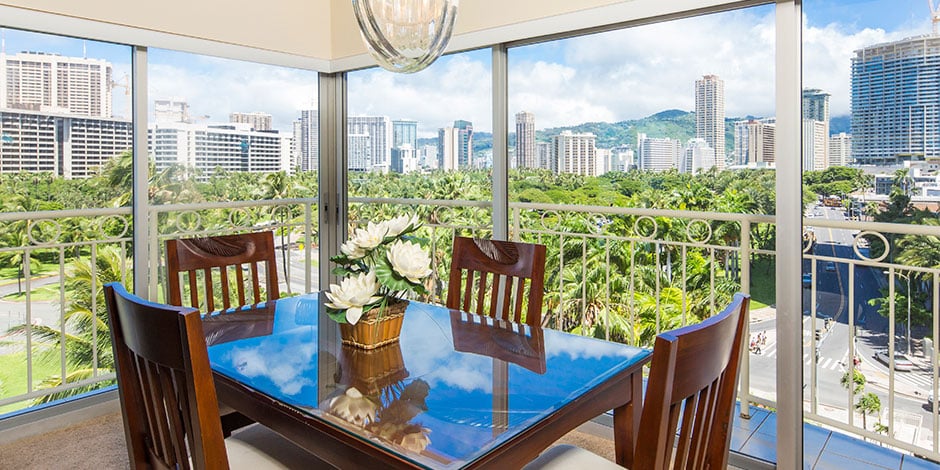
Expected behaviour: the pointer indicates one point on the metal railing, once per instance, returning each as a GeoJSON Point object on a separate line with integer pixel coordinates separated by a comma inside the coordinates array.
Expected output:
{"type": "Point", "coordinates": [622, 274]}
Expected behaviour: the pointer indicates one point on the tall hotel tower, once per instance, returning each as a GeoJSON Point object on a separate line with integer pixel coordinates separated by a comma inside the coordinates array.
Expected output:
{"type": "Point", "coordinates": [710, 115]}
{"type": "Point", "coordinates": [526, 150]}
{"type": "Point", "coordinates": [51, 83]}
{"type": "Point", "coordinates": [896, 101]}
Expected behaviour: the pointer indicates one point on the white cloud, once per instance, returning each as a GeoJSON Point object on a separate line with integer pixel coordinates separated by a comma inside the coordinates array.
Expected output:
{"type": "Point", "coordinates": [612, 76]}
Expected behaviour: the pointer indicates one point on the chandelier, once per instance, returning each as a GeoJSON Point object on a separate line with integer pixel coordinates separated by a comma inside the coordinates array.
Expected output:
{"type": "Point", "coordinates": [405, 36]}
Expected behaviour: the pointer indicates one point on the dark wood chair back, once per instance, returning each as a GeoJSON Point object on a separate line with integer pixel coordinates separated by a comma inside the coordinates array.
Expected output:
{"type": "Point", "coordinates": [691, 393]}
{"type": "Point", "coordinates": [203, 261]}
{"type": "Point", "coordinates": [482, 271]}
{"type": "Point", "coordinates": [171, 416]}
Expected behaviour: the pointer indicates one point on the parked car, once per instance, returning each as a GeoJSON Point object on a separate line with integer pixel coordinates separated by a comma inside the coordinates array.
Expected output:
{"type": "Point", "coordinates": [830, 266]}
{"type": "Point", "coordinates": [901, 362]}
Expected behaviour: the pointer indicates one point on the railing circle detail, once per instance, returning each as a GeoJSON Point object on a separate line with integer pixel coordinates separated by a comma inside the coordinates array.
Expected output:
{"type": "Point", "coordinates": [706, 231]}
{"type": "Point", "coordinates": [637, 229]}
{"type": "Point", "coordinates": [57, 231]}
{"type": "Point", "coordinates": [105, 220]}
{"type": "Point", "coordinates": [858, 253]}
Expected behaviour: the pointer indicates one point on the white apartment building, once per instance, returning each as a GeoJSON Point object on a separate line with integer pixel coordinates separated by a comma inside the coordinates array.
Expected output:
{"type": "Point", "coordinates": [53, 84]}
{"type": "Point", "coordinates": [359, 152]}
{"type": "Point", "coordinates": [754, 142]}
{"type": "Point", "coordinates": [65, 145]}
{"type": "Point", "coordinates": [379, 130]}
{"type": "Point", "coordinates": [657, 154]}
{"type": "Point", "coordinates": [697, 156]}
{"type": "Point", "coordinates": [710, 115]}
{"type": "Point", "coordinates": [307, 140]}
{"type": "Point", "coordinates": [404, 159]}
{"type": "Point", "coordinates": [575, 153]}
{"type": "Point", "coordinates": [229, 147]}
{"type": "Point", "coordinates": [448, 148]}
{"type": "Point", "coordinates": [815, 145]}
{"type": "Point", "coordinates": [526, 149]}
{"type": "Point", "coordinates": [840, 149]}
{"type": "Point", "coordinates": [259, 121]}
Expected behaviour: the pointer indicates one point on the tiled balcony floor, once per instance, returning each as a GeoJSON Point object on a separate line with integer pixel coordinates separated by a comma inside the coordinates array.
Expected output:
{"type": "Point", "coordinates": [822, 449]}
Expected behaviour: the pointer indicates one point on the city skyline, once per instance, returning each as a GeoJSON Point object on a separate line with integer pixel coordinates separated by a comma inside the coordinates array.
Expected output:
{"type": "Point", "coordinates": [834, 29]}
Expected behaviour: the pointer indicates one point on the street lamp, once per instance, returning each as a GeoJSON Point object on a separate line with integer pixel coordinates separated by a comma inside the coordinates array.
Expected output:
{"type": "Point", "coordinates": [908, 278]}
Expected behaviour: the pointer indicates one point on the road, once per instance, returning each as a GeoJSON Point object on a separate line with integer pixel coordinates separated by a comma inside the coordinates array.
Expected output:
{"type": "Point", "coordinates": [822, 385]}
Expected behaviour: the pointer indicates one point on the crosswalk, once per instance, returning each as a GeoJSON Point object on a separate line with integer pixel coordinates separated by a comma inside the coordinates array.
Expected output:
{"type": "Point", "coordinates": [826, 363]}
{"type": "Point", "coordinates": [920, 381]}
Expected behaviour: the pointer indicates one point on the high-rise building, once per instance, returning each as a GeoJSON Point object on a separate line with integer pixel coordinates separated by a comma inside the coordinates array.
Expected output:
{"type": "Point", "coordinates": [526, 148]}
{"type": "Point", "coordinates": [359, 152]}
{"type": "Point", "coordinates": [657, 154]}
{"type": "Point", "coordinates": [710, 115]}
{"type": "Point", "coordinates": [896, 101]}
{"type": "Point", "coordinates": [545, 160]}
{"type": "Point", "coordinates": [754, 141]}
{"type": "Point", "coordinates": [259, 121]}
{"type": "Point", "coordinates": [307, 140]}
{"type": "Point", "coordinates": [50, 83]}
{"type": "Point", "coordinates": [404, 132]}
{"type": "Point", "coordinates": [816, 105]}
{"type": "Point", "coordinates": [575, 153]}
{"type": "Point", "coordinates": [816, 108]}
{"type": "Point", "coordinates": [379, 130]}
{"type": "Point", "coordinates": [840, 149]}
{"type": "Point", "coordinates": [66, 145]}
{"type": "Point", "coordinates": [167, 111]}
{"type": "Point", "coordinates": [697, 156]}
{"type": "Point", "coordinates": [228, 147]}
{"type": "Point", "coordinates": [404, 159]}
{"type": "Point", "coordinates": [448, 148]}
{"type": "Point", "coordinates": [464, 143]}
{"type": "Point", "coordinates": [815, 146]}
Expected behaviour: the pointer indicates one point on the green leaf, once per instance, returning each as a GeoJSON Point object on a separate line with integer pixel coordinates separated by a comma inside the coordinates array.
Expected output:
{"type": "Point", "coordinates": [391, 279]}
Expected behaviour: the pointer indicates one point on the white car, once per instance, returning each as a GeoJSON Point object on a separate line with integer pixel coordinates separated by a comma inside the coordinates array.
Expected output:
{"type": "Point", "coordinates": [901, 362]}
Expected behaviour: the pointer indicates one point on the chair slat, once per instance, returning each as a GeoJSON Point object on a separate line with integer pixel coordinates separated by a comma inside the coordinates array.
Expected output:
{"type": "Point", "coordinates": [223, 253]}
{"type": "Point", "coordinates": [514, 267]}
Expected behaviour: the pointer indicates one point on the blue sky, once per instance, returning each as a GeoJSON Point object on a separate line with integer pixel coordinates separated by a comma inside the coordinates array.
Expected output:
{"type": "Point", "coordinates": [611, 76]}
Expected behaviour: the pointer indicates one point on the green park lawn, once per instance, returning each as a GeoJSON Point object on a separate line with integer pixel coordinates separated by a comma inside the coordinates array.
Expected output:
{"type": "Point", "coordinates": [13, 375]}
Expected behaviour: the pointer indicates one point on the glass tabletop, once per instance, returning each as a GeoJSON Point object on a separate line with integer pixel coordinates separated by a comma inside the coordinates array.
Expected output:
{"type": "Point", "coordinates": [452, 388]}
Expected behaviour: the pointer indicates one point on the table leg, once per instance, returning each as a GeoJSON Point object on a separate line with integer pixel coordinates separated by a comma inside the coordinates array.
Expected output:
{"type": "Point", "coordinates": [627, 422]}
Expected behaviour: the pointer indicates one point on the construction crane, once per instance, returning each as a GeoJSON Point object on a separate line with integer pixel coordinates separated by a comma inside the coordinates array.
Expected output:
{"type": "Point", "coordinates": [934, 14]}
{"type": "Point", "coordinates": [127, 93]}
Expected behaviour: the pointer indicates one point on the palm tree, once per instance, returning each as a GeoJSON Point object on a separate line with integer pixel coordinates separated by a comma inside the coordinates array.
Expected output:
{"type": "Point", "coordinates": [857, 378]}
{"type": "Point", "coordinates": [867, 404]}
{"type": "Point", "coordinates": [85, 335]}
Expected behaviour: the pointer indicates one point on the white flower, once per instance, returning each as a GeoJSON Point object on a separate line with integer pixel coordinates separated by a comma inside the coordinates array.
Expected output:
{"type": "Point", "coordinates": [354, 407]}
{"type": "Point", "coordinates": [369, 237]}
{"type": "Point", "coordinates": [352, 294]}
{"type": "Point", "coordinates": [352, 249]}
{"type": "Point", "coordinates": [398, 225]}
{"type": "Point", "coordinates": [409, 260]}
{"type": "Point", "coordinates": [416, 441]}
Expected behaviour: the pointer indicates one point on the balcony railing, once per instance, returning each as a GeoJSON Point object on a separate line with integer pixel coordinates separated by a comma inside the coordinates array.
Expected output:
{"type": "Point", "coordinates": [622, 274]}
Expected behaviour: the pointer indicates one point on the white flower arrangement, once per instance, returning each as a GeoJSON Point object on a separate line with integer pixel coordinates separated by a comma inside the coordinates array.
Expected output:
{"type": "Point", "coordinates": [379, 264]}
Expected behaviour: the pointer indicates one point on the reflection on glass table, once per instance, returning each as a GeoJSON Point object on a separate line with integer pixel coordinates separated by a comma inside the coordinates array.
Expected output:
{"type": "Point", "coordinates": [457, 390]}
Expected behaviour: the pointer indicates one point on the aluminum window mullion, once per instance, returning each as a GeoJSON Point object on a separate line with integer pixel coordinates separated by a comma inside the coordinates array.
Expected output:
{"type": "Point", "coordinates": [788, 84]}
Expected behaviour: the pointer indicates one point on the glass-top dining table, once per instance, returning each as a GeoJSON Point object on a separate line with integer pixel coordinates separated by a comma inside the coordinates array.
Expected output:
{"type": "Point", "coordinates": [456, 391]}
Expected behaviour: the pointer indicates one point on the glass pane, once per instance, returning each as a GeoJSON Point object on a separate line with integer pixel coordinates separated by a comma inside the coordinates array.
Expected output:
{"type": "Point", "coordinates": [65, 145]}
{"type": "Point", "coordinates": [626, 128]}
{"type": "Point", "coordinates": [421, 137]}
{"type": "Point", "coordinates": [224, 130]}
{"type": "Point", "coordinates": [871, 136]}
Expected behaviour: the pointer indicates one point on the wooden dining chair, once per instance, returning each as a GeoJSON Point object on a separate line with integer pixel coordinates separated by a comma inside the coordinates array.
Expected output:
{"type": "Point", "coordinates": [689, 401]}
{"type": "Point", "coordinates": [167, 394]}
{"type": "Point", "coordinates": [210, 263]}
{"type": "Point", "coordinates": [496, 278]}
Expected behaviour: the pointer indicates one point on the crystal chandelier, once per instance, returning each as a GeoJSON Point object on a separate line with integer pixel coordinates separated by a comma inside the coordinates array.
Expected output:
{"type": "Point", "coordinates": [405, 36]}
